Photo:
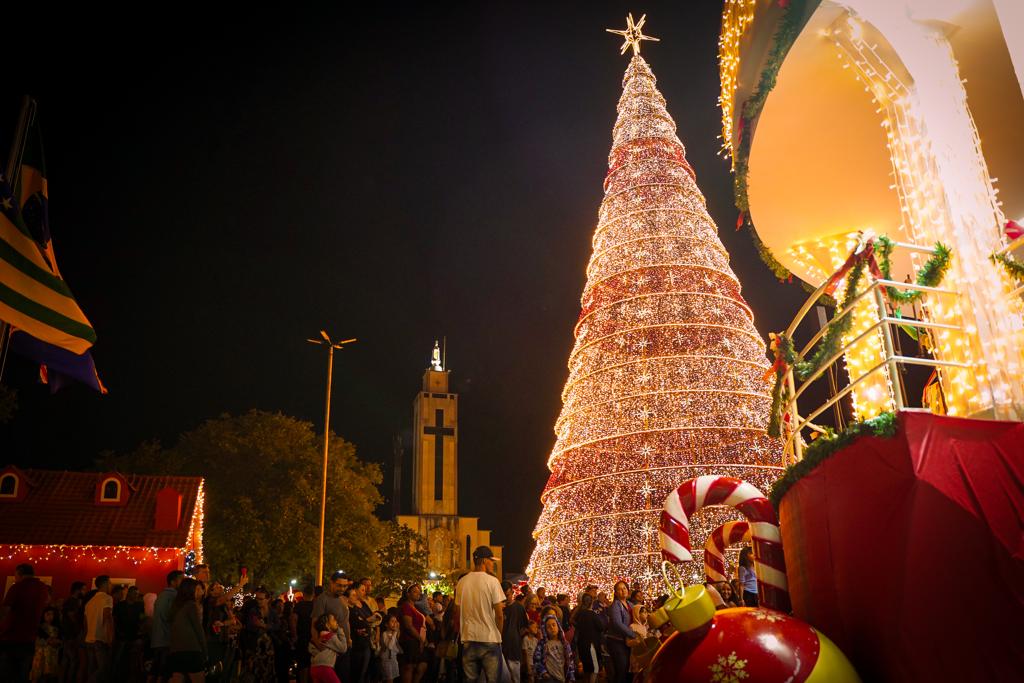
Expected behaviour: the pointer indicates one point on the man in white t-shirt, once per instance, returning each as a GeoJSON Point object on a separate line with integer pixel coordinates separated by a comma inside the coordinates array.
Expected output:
{"type": "Point", "coordinates": [99, 630]}
{"type": "Point", "coordinates": [481, 605]}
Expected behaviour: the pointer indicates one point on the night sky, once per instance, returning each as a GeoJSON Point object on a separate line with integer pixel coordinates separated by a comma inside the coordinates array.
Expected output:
{"type": "Point", "coordinates": [223, 187]}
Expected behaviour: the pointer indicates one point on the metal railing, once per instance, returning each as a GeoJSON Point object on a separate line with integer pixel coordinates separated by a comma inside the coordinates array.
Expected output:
{"type": "Point", "coordinates": [891, 361]}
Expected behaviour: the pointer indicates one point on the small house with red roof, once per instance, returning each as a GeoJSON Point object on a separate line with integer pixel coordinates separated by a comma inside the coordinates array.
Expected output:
{"type": "Point", "coordinates": [74, 526]}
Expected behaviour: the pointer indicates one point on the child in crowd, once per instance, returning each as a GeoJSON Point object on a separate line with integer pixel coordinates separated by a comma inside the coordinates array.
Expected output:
{"type": "Point", "coordinates": [45, 663]}
{"type": "Point", "coordinates": [389, 649]}
{"type": "Point", "coordinates": [334, 643]}
{"type": "Point", "coordinates": [530, 641]}
{"type": "Point", "coordinates": [552, 660]}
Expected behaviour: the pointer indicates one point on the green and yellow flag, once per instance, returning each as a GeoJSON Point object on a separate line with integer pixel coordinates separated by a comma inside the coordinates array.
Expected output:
{"type": "Point", "coordinates": [33, 296]}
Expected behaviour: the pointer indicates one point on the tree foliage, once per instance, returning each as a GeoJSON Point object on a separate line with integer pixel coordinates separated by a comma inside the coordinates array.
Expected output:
{"type": "Point", "coordinates": [403, 559]}
{"type": "Point", "coordinates": [263, 480]}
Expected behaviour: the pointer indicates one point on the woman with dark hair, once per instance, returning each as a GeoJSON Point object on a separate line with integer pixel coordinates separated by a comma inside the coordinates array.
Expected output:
{"type": "Point", "coordinates": [748, 579]}
{"type": "Point", "coordinates": [187, 653]}
{"type": "Point", "coordinates": [590, 628]}
{"type": "Point", "coordinates": [257, 647]}
{"type": "Point", "coordinates": [730, 598]}
{"type": "Point", "coordinates": [412, 636]}
{"type": "Point", "coordinates": [452, 643]}
{"type": "Point", "coordinates": [359, 614]}
{"type": "Point", "coordinates": [620, 636]}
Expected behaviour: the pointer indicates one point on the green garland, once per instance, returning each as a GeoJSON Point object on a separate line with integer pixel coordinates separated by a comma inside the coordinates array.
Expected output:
{"type": "Point", "coordinates": [790, 24]}
{"type": "Point", "coordinates": [837, 327]}
{"type": "Point", "coordinates": [930, 274]}
{"type": "Point", "coordinates": [827, 347]}
{"type": "Point", "coordinates": [1012, 266]}
{"type": "Point", "coordinates": [824, 447]}
{"type": "Point", "coordinates": [779, 393]}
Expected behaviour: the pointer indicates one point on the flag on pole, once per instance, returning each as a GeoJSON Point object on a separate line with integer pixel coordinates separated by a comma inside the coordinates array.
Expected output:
{"type": "Point", "coordinates": [49, 327]}
{"type": "Point", "coordinates": [33, 297]}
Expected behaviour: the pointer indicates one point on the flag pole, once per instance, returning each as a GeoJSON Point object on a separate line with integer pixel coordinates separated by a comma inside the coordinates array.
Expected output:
{"type": "Point", "coordinates": [11, 173]}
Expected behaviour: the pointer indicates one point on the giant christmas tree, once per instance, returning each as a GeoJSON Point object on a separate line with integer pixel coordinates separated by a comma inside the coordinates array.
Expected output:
{"type": "Point", "coordinates": [666, 376]}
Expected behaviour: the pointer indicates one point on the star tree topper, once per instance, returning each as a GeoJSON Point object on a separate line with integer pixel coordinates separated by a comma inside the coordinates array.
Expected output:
{"type": "Point", "coordinates": [633, 34]}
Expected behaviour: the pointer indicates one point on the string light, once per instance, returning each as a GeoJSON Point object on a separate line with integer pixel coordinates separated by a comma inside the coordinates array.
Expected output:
{"type": "Point", "coordinates": [666, 375]}
{"type": "Point", "coordinates": [736, 17]}
{"type": "Point", "coordinates": [946, 195]}
{"type": "Point", "coordinates": [873, 395]}
{"type": "Point", "coordinates": [136, 555]}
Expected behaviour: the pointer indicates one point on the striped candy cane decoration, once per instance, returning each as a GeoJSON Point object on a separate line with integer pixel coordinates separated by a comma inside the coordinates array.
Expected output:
{"type": "Point", "coordinates": [721, 538]}
{"type": "Point", "coordinates": [694, 494]}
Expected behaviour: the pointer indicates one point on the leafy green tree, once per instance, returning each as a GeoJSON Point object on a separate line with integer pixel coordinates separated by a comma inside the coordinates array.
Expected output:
{"type": "Point", "coordinates": [403, 558]}
{"type": "Point", "coordinates": [263, 474]}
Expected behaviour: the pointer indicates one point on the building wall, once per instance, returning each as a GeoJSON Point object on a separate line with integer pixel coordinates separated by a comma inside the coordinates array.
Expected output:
{"type": "Point", "coordinates": [149, 575]}
{"type": "Point", "coordinates": [451, 541]}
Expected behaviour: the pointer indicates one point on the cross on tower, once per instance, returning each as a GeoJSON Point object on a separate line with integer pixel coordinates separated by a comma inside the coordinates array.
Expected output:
{"type": "Point", "coordinates": [438, 431]}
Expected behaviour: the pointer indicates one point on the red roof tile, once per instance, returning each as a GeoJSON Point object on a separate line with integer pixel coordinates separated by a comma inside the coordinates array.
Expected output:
{"type": "Point", "coordinates": [61, 509]}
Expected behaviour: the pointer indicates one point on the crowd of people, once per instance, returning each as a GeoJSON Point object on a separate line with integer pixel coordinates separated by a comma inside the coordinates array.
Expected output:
{"type": "Point", "coordinates": [198, 630]}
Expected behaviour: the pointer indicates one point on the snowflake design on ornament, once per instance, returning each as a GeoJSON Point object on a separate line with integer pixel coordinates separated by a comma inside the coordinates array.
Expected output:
{"type": "Point", "coordinates": [645, 413]}
{"type": "Point", "coordinates": [644, 378]}
{"type": "Point", "coordinates": [770, 617]}
{"type": "Point", "coordinates": [646, 489]}
{"type": "Point", "coordinates": [645, 450]}
{"type": "Point", "coordinates": [641, 345]}
{"type": "Point", "coordinates": [729, 669]}
{"type": "Point", "coordinates": [643, 313]}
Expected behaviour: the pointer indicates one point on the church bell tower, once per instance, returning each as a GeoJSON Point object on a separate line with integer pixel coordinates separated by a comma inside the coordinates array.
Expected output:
{"type": "Point", "coordinates": [435, 443]}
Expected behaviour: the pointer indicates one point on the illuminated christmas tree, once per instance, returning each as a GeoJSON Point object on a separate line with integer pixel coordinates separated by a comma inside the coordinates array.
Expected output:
{"type": "Point", "coordinates": [666, 379]}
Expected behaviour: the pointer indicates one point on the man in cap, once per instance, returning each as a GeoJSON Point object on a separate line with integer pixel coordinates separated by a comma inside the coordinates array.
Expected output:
{"type": "Point", "coordinates": [332, 601]}
{"type": "Point", "coordinates": [481, 605]}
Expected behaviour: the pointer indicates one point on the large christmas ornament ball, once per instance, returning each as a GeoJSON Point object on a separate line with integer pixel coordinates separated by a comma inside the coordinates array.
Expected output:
{"type": "Point", "coordinates": [754, 645]}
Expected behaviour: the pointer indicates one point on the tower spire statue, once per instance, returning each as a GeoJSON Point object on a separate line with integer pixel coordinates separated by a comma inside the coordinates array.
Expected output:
{"type": "Point", "coordinates": [435, 358]}
{"type": "Point", "coordinates": [666, 378]}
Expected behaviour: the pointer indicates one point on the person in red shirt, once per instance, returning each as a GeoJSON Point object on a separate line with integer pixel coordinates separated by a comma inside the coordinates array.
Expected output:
{"type": "Point", "coordinates": [20, 615]}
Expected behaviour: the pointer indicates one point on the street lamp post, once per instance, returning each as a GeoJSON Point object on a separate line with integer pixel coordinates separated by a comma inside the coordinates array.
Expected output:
{"type": "Point", "coordinates": [331, 345]}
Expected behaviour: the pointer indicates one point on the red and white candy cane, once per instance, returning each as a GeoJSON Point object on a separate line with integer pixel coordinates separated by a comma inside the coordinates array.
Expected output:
{"type": "Point", "coordinates": [721, 538]}
{"type": "Point", "coordinates": [694, 494]}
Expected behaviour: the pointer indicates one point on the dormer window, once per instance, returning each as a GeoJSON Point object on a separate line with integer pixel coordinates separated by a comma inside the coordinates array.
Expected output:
{"type": "Point", "coordinates": [9, 483]}
{"type": "Point", "coordinates": [112, 489]}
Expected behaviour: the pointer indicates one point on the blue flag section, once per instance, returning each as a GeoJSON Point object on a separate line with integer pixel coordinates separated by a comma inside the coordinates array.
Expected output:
{"type": "Point", "coordinates": [58, 367]}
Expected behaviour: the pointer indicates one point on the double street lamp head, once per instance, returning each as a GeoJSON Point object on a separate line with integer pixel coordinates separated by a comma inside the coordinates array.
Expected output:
{"type": "Point", "coordinates": [326, 341]}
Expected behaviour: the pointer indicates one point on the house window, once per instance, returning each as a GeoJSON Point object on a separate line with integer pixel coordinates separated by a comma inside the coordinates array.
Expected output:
{"type": "Point", "coordinates": [9, 485]}
{"type": "Point", "coordinates": [111, 491]}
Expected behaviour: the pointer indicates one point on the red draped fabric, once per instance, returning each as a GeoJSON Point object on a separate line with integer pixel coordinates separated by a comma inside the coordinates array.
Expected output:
{"type": "Point", "coordinates": [909, 552]}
